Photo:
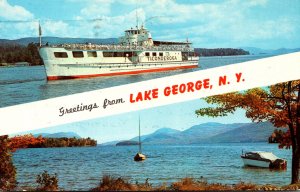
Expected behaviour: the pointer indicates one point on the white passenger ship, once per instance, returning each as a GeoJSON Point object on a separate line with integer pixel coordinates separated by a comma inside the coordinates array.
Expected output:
{"type": "Point", "coordinates": [135, 53]}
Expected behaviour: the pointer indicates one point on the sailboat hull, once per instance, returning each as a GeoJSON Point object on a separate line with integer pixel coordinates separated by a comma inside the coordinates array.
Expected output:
{"type": "Point", "coordinates": [139, 157]}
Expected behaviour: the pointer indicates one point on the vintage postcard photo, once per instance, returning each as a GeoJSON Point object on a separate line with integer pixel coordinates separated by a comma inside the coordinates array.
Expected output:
{"type": "Point", "coordinates": [149, 95]}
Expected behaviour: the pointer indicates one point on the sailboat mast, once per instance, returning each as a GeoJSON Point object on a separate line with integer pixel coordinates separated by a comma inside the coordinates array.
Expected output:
{"type": "Point", "coordinates": [140, 146]}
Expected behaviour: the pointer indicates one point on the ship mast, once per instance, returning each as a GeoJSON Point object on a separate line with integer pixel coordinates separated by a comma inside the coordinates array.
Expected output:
{"type": "Point", "coordinates": [40, 34]}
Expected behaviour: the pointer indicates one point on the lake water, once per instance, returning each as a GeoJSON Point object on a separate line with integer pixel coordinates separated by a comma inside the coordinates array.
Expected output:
{"type": "Point", "coordinates": [26, 84]}
{"type": "Point", "coordinates": [82, 168]}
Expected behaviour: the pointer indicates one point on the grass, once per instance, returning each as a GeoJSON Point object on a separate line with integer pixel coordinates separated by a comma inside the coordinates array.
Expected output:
{"type": "Point", "coordinates": [47, 182]}
{"type": "Point", "coordinates": [110, 183]}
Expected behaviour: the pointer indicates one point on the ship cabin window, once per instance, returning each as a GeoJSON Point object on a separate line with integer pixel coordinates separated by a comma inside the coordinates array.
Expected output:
{"type": "Point", "coordinates": [153, 53]}
{"type": "Point", "coordinates": [108, 54]}
{"type": "Point", "coordinates": [147, 54]}
{"type": "Point", "coordinates": [161, 54]}
{"type": "Point", "coordinates": [60, 54]}
{"type": "Point", "coordinates": [77, 54]}
{"type": "Point", "coordinates": [253, 156]}
{"type": "Point", "coordinates": [119, 54]}
{"type": "Point", "coordinates": [92, 54]}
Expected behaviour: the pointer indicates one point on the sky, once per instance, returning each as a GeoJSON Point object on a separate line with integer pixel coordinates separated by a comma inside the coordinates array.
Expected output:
{"type": "Point", "coordinates": [267, 24]}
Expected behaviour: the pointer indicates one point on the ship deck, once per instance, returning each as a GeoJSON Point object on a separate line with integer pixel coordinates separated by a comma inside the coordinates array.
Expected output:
{"type": "Point", "coordinates": [122, 47]}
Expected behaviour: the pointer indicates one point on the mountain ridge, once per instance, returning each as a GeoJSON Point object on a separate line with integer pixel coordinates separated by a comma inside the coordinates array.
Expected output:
{"type": "Point", "coordinates": [209, 133]}
{"type": "Point", "coordinates": [259, 51]}
{"type": "Point", "coordinates": [58, 135]}
{"type": "Point", "coordinates": [58, 40]}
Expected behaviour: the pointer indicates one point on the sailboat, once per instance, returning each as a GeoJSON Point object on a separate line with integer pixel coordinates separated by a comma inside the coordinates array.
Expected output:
{"type": "Point", "coordinates": [139, 156]}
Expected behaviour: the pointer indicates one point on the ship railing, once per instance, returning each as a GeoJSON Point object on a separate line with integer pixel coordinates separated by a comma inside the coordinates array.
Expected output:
{"type": "Point", "coordinates": [123, 47]}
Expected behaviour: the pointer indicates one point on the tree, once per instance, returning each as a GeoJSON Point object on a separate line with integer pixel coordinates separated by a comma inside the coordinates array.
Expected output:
{"type": "Point", "coordinates": [279, 104]}
{"type": "Point", "coordinates": [7, 169]}
{"type": "Point", "coordinates": [35, 58]}
{"type": "Point", "coordinates": [25, 141]}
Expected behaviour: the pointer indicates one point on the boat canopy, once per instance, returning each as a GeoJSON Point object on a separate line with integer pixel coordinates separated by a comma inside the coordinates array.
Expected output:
{"type": "Point", "coordinates": [261, 154]}
{"type": "Point", "coordinates": [268, 155]}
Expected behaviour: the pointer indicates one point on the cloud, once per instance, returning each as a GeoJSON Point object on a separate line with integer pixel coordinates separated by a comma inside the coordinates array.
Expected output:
{"type": "Point", "coordinates": [18, 30]}
{"type": "Point", "coordinates": [9, 14]}
{"type": "Point", "coordinates": [55, 28]}
{"type": "Point", "coordinates": [227, 23]}
{"type": "Point", "coordinates": [97, 8]}
{"type": "Point", "coordinates": [209, 23]}
{"type": "Point", "coordinates": [257, 2]}
{"type": "Point", "coordinates": [16, 12]}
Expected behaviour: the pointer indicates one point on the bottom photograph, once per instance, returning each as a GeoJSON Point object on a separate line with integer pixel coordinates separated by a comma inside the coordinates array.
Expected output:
{"type": "Point", "coordinates": [247, 140]}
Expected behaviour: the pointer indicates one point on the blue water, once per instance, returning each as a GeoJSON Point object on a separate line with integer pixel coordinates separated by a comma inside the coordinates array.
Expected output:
{"type": "Point", "coordinates": [26, 84]}
{"type": "Point", "coordinates": [82, 168]}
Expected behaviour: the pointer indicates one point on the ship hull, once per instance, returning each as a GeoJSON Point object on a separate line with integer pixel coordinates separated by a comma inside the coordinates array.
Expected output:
{"type": "Point", "coordinates": [256, 163]}
{"type": "Point", "coordinates": [68, 66]}
{"type": "Point", "coordinates": [116, 73]}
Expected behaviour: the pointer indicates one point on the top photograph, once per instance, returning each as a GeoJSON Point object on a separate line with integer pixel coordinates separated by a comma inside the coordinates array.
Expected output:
{"type": "Point", "coordinates": [56, 48]}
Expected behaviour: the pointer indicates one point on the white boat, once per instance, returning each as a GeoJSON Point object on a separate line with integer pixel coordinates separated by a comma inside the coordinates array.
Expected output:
{"type": "Point", "coordinates": [263, 159]}
{"type": "Point", "coordinates": [135, 53]}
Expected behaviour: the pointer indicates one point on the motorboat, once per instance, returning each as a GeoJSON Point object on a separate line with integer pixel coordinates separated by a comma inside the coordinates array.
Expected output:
{"type": "Point", "coordinates": [263, 159]}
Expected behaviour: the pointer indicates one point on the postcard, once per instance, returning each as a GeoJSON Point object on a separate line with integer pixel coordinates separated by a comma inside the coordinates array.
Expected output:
{"type": "Point", "coordinates": [149, 95]}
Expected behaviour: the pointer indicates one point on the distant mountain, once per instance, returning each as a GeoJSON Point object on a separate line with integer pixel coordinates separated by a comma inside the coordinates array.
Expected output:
{"type": "Point", "coordinates": [250, 132]}
{"type": "Point", "coordinates": [259, 51]}
{"type": "Point", "coordinates": [161, 136]}
{"type": "Point", "coordinates": [127, 143]}
{"type": "Point", "coordinates": [111, 142]}
{"type": "Point", "coordinates": [59, 40]}
{"type": "Point", "coordinates": [201, 132]}
{"type": "Point", "coordinates": [208, 133]}
{"type": "Point", "coordinates": [58, 135]}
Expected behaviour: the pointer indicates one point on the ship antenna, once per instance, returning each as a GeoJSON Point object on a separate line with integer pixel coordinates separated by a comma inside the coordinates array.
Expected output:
{"type": "Point", "coordinates": [136, 15]}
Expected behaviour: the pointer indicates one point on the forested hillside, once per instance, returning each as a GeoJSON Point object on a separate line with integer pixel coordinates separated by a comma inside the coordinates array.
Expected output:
{"type": "Point", "coordinates": [220, 52]}
{"type": "Point", "coordinates": [13, 53]}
